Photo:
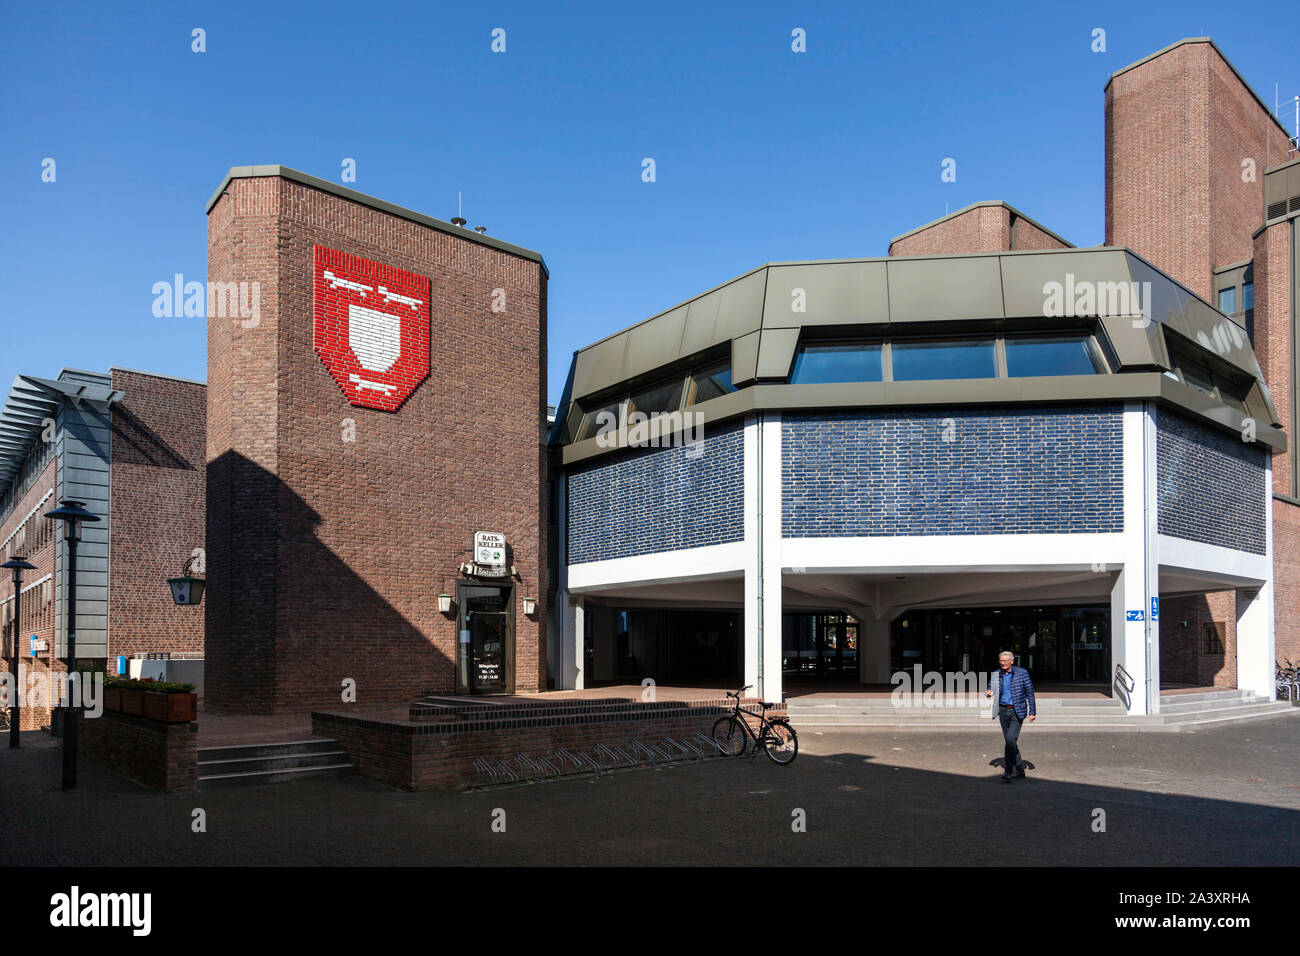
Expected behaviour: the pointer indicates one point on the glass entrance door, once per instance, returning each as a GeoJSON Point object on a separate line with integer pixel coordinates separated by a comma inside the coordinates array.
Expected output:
{"type": "Point", "coordinates": [485, 645]}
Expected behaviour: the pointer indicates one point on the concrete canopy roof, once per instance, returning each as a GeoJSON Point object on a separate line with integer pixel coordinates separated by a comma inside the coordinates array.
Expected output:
{"type": "Point", "coordinates": [753, 317]}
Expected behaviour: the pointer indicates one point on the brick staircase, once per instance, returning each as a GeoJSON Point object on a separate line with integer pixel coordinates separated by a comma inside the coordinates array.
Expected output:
{"type": "Point", "coordinates": [1177, 712]}
{"type": "Point", "coordinates": [255, 764]}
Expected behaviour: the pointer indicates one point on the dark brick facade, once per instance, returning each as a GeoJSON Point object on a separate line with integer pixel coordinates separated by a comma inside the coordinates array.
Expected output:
{"type": "Point", "coordinates": [1003, 471]}
{"type": "Point", "coordinates": [332, 528]}
{"type": "Point", "coordinates": [660, 499]}
{"type": "Point", "coordinates": [1210, 486]}
{"type": "Point", "coordinates": [157, 501]}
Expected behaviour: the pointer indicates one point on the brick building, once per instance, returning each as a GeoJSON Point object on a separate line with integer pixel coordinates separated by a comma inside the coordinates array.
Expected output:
{"type": "Point", "coordinates": [387, 404]}
{"type": "Point", "coordinates": [989, 439]}
{"type": "Point", "coordinates": [130, 446]}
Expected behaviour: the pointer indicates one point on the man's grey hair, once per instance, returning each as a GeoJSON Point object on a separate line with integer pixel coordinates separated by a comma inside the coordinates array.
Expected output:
{"type": "Point", "coordinates": [1006, 654]}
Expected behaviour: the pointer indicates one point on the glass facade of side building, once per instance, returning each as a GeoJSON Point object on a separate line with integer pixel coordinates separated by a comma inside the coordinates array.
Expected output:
{"type": "Point", "coordinates": [922, 465]}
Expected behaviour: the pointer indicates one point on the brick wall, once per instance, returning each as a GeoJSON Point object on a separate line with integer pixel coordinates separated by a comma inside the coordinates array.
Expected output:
{"type": "Point", "coordinates": [1184, 658]}
{"type": "Point", "coordinates": [157, 490]}
{"type": "Point", "coordinates": [159, 755]}
{"type": "Point", "coordinates": [1177, 129]}
{"type": "Point", "coordinates": [1005, 471]}
{"type": "Point", "coordinates": [38, 614]}
{"type": "Point", "coordinates": [1209, 485]}
{"type": "Point", "coordinates": [980, 229]}
{"type": "Point", "coordinates": [659, 499]}
{"type": "Point", "coordinates": [439, 755]}
{"type": "Point", "coordinates": [332, 528]}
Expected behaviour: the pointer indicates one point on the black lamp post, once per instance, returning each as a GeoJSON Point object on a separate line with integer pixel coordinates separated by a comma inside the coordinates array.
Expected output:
{"type": "Point", "coordinates": [17, 565]}
{"type": "Point", "coordinates": [72, 514]}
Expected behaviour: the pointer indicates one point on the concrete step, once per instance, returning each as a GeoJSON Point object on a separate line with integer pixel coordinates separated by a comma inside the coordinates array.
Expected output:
{"type": "Point", "coordinates": [282, 748]}
{"type": "Point", "coordinates": [281, 762]}
{"type": "Point", "coordinates": [260, 777]}
{"type": "Point", "coordinates": [1227, 693]}
{"type": "Point", "coordinates": [934, 719]}
{"type": "Point", "coordinates": [1168, 706]}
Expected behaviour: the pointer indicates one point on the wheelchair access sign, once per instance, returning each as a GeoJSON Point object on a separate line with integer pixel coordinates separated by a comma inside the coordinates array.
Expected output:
{"type": "Point", "coordinates": [1134, 615]}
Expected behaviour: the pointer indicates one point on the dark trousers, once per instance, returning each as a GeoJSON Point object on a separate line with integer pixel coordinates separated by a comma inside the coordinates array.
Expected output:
{"type": "Point", "coordinates": [1011, 731]}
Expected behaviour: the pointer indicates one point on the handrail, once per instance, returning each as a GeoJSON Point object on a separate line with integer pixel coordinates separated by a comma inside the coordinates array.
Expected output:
{"type": "Point", "coordinates": [1123, 685]}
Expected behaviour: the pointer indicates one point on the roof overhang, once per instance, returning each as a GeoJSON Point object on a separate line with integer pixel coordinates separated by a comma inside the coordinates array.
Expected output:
{"type": "Point", "coordinates": [31, 403]}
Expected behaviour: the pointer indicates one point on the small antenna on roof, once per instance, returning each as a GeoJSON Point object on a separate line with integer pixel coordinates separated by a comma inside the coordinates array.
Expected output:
{"type": "Point", "coordinates": [458, 219]}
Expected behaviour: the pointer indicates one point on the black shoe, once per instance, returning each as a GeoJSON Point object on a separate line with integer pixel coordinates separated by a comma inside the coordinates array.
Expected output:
{"type": "Point", "coordinates": [1007, 776]}
{"type": "Point", "coordinates": [1019, 775]}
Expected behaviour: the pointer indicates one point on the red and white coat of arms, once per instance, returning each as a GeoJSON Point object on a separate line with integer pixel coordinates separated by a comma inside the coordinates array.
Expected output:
{"type": "Point", "coordinates": [371, 327]}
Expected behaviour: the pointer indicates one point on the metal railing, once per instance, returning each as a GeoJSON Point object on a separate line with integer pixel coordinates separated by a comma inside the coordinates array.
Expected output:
{"type": "Point", "coordinates": [1123, 685]}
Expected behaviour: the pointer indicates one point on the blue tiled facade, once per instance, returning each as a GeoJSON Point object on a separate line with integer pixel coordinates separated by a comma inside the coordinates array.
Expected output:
{"type": "Point", "coordinates": [1001, 471]}
{"type": "Point", "coordinates": [1209, 485]}
{"type": "Point", "coordinates": [659, 499]}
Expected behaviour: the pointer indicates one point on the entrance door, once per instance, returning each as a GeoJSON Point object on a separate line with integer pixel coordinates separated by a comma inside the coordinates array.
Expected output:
{"type": "Point", "coordinates": [485, 648]}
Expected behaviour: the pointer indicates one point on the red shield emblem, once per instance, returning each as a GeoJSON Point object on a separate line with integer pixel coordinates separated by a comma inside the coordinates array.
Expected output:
{"type": "Point", "coordinates": [371, 327]}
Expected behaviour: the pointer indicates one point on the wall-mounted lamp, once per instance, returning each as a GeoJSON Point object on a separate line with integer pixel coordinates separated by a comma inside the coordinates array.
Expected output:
{"type": "Point", "coordinates": [444, 603]}
{"type": "Point", "coordinates": [530, 606]}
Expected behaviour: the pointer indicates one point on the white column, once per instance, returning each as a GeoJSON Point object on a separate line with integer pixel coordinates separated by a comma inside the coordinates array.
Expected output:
{"type": "Point", "coordinates": [1256, 624]}
{"type": "Point", "coordinates": [568, 618]}
{"type": "Point", "coordinates": [763, 555]}
{"type": "Point", "coordinates": [1135, 642]}
{"type": "Point", "coordinates": [770, 642]}
{"type": "Point", "coordinates": [569, 674]}
{"type": "Point", "coordinates": [753, 469]}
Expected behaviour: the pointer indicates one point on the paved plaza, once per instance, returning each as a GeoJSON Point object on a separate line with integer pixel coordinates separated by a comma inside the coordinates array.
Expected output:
{"type": "Point", "coordinates": [1222, 796]}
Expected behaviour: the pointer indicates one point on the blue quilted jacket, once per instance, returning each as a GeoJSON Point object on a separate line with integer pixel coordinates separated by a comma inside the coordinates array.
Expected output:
{"type": "Point", "coordinates": [1022, 691]}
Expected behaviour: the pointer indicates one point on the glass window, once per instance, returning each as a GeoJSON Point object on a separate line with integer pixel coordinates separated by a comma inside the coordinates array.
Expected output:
{"type": "Point", "coordinates": [1196, 375]}
{"type": "Point", "coordinates": [1228, 300]}
{"type": "Point", "coordinates": [711, 382]}
{"type": "Point", "coordinates": [1053, 355]}
{"type": "Point", "coordinates": [1248, 296]}
{"type": "Point", "coordinates": [838, 362]}
{"type": "Point", "coordinates": [1232, 394]}
{"type": "Point", "coordinates": [657, 399]}
{"type": "Point", "coordinates": [920, 360]}
{"type": "Point", "coordinates": [597, 419]}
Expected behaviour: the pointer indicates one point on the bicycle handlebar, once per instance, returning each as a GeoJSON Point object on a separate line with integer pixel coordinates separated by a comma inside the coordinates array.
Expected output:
{"type": "Point", "coordinates": [739, 692]}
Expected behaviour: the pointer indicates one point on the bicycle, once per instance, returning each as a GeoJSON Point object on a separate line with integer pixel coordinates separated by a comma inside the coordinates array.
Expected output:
{"type": "Point", "coordinates": [777, 738]}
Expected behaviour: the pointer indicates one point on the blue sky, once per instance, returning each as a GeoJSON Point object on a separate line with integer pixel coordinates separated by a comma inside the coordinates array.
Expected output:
{"type": "Point", "coordinates": [762, 154]}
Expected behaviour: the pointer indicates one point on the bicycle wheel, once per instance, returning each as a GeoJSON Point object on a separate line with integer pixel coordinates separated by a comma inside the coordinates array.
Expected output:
{"type": "Point", "coordinates": [780, 743]}
{"type": "Point", "coordinates": [729, 736]}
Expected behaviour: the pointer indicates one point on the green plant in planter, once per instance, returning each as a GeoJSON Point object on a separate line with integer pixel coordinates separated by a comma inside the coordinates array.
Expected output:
{"type": "Point", "coordinates": [156, 686]}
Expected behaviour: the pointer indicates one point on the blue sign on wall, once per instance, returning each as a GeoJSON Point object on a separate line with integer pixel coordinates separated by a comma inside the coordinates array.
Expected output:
{"type": "Point", "coordinates": [1134, 615]}
{"type": "Point", "coordinates": [1155, 609]}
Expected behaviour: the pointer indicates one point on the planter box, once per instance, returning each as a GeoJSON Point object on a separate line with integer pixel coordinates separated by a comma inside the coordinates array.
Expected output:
{"type": "Point", "coordinates": [113, 698]}
{"type": "Point", "coordinates": [133, 702]}
{"type": "Point", "coordinates": [170, 708]}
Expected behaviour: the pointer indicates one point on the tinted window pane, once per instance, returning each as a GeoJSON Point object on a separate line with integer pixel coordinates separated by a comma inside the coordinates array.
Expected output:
{"type": "Point", "coordinates": [841, 362]}
{"type": "Point", "coordinates": [606, 417]}
{"type": "Point", "coordinates": [712, 382]}
{"type": "Point", "coordinates": [657, 399]}
{"type": "Point", "coordinates": [1072, 355]}
{"type": "Point", "coordinates": [1228, 300]}
{"type": "Point", "coordinates": [1248, 296]}
{"type": "Point", "coordinates": [1197, 376]}
{"type": "Point", "coordinates": [915, 361]}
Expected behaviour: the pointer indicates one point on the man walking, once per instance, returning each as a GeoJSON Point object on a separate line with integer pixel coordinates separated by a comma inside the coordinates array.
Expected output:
{"type": "Point", "coordinates": [1015, 704]}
